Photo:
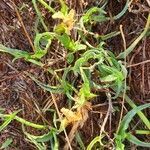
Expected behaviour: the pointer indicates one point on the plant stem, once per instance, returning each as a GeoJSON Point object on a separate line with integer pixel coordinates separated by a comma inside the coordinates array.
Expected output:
{"type": "Point", "coordinates": [39, 15]}
{"type": "Point", "coordinates": [25, 122]}
{"type": "Point", "coordinates": [142, 132]}
{"type": "Point", "coordinates": [47, 6]}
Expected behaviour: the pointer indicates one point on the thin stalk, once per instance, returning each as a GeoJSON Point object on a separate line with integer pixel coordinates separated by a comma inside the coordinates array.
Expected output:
{"type": "Point", "coordinates": [25, 122]}
{"type": "Point", "coordinates": [47, 6]}
{"type": "Point", "coordinates": [39, 15]}
{"type": "Point", "coordinates": [62, 2]}
{"type": "Point", "coordinates": [147, 132]}
{"type": "Point", "coordinates": [122, 12]}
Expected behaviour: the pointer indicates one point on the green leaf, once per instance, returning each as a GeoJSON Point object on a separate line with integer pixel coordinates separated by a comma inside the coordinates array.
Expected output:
{"type": "Point", "coordinates": [85, 91]}
{"type": "Point", "coordinates": [14, 52]}
{"type": "Point", "coordinates": [112, 74]}
{"type": "Point", "coordinates": [39, 141]}
{"type": "Point", "coordinates": [45, 137]}
{"type": "Point", "coordinates": [9, 117]}
{"type": "Point", "coordinates": [19, 54]}
{"type": "Point", "coordinates": [60, 29]}
{"type": "Point", "coordinates": [136, 141]}
{"type": "Point", "coordinates": [70, 58]}
{"type": "Point", "coordinates": [53, 89]}
{"type": "Point", "coordinates": [64, 7]}
{"type": "Point", "coordinates": [41, 43]}
{"type": "Point", "coordinates": [94, 14]}
{"type": "Point", "coordinates": [122, 135]}
{"type": "Point", "coordinates": [94, 141]}
{"type": "Point", "coordinates": [6, 143]}
{"type": "Point", "coordinates": [31, 139]}
{"type": "Point", "coordinates": [8, 120]}
{"type": "Point", "coordinates": [68, 87]}
{"type": "Point", "coordinates": [27, 123]}
{"type": "Point", "coordinates": [109, 78]}
{"type": "Point", "coordinates": [79, 46]}
{"type": "Point", "coordinates": [89, 54]}
{"type": "Point", "coordinates": [58, 15]}
{"type": "Point", "coordinates": [67, 42]}
{"type": "Point", "coordinates": [118, 88]}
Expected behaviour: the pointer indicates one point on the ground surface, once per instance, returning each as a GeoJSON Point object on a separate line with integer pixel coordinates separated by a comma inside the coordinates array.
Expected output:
{"type": "Point", "coordinates": [19, 92]}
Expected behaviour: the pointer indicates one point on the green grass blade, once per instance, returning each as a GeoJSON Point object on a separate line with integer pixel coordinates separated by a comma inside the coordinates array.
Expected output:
{"type": "Point", "coordinates": [122, 12]}
{"type": "Point", "coordinates": [128, 117]}
{"type": "Point", "coordinates": [132, 46]}
{"type": "Point", "coordinates": [109, 35]}
{"type": "Point", "coordinates": [121, 135]}
{"type": "Point", "coordinates": [10, 117]}
{"type": "Point", "coordinates": [94, 141]}
{"type": "Point", "coordinates": [136, 141]}
{"type": "Point", "coordinates": [80, 141]}
{"type": "Point", "coordinates": [140, 114]}
{"type": "Point", "coordinates": [53, 89]}
{"type": "Point", "coordinates": [56, 143]}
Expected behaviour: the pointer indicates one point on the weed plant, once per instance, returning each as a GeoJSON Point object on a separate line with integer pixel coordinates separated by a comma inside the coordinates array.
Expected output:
{"type": "Point", "coordinates": [84, 62]}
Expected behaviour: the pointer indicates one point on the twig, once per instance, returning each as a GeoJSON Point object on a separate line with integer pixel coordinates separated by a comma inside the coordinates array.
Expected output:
{"type": "Point", "coordinates": [23, 26]}
{"type": "Point", "coordinates": [148, 1]}
{"type": "Point", "coordinates": [57, 110]}
{"type": "Point", "coordinates": [124, 92]}
{"type": "Point", "coordinates": [140, 63]}
{"type": "Point", "coordinates": [107, 115]}
{"type": "Point", "coordinates": [72, 134]}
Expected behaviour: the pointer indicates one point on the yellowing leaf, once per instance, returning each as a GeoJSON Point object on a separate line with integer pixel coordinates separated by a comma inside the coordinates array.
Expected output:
{"type": "Point", "coordinates": [60, 28]}
{"type": "Point", "coordinates": [70, 115]}
{"type": "Point", "coordinates": [67, 20]}
{"type": "Point", "coordinates": [84, 112]}
{"type": "Point", "coordinates": [58, 15]}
